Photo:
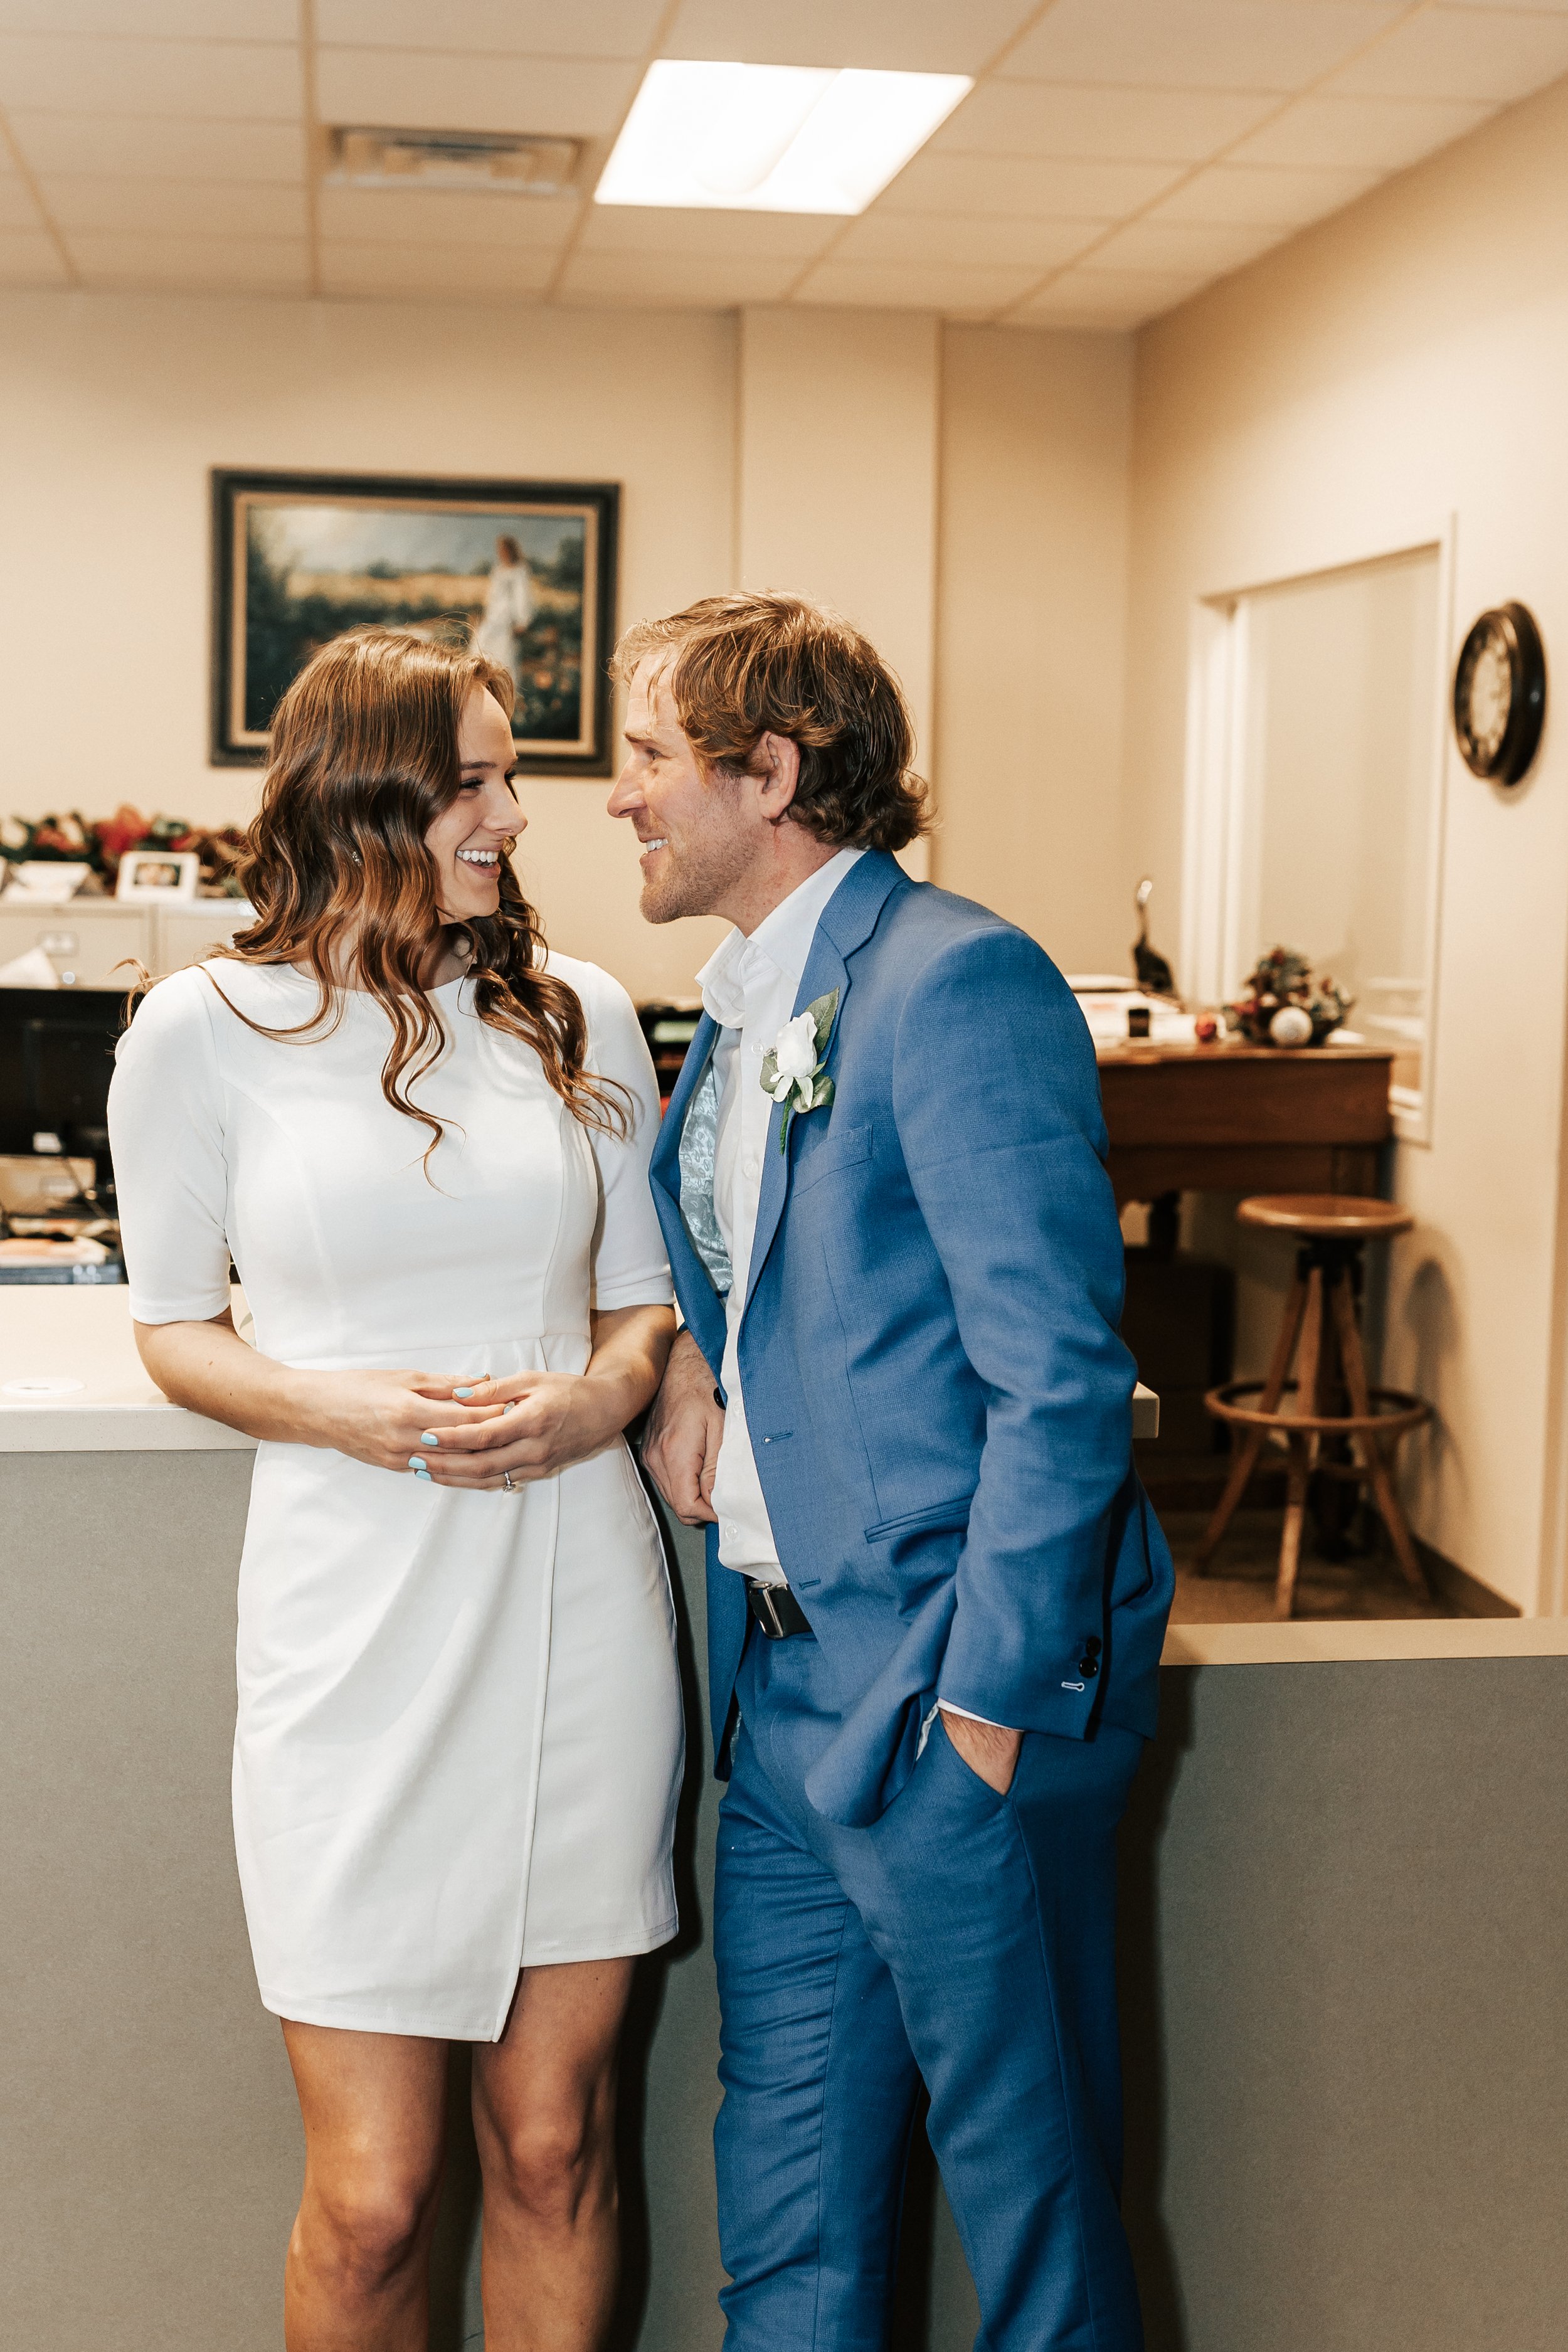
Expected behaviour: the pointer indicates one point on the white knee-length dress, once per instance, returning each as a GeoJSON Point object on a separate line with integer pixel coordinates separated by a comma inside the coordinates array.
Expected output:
{"type": "Point", "coordinates": [458, 1742]}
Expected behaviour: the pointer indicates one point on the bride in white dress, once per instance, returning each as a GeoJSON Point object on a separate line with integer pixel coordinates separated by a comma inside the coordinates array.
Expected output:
{"type": "Point", "coordinates": [425, 1144]}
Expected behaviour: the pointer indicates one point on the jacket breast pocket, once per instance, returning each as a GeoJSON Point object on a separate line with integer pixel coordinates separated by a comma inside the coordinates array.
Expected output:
{"type": "Point", "coordinates": [840, 1147]}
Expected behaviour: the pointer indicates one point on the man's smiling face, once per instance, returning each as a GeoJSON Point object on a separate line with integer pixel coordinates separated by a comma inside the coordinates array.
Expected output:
{"type": "Point", "coordinates": [700, 833]}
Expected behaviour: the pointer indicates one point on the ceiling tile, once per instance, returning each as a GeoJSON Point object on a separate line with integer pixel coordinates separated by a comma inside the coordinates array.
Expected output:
{"type": "Point", "coordinates": [1198, 43]}
{"type": "Point", "coordinates": [658, 281]}
{"type": "Point", "coordinates": [242, 20]}
{"type": "Point", "coordinates": [234, 81]}
{"type": "Point", "coordinates": [1084, 298]}
{"type": "Point", "coordinates": [1035, 188]}
{"type": "Point", "coordinates": [898, 36]}
{"type": "Point", "coordinates": [18, 209]}
{"type": "Point", "coordinates": [176, 207]}
{"type": "Point", "coordinates": [537, 28]}
{"type": "Point", "coordinates": [1245, 193]}
{"type": "Point", "coordinates": [31, 257]}
{"type": "Point", "coordinates": [448, 217]}
{"type": "Point", "coordinates": [219, 265]}
{"type": "Point", "coordinates": [1179, 245]}
{"type": "Point", "coordinates": [1139, 126]}
{"type": "Point", "coordinates": [502, 274]}
{"type": "Point", "coordinates": [1371, 133]}
{"type": "Point", "coordinates": [1460, 53]}
{"type": "Point", "coordinates": [713, 235]}
{"type": "Point", "coordinates": [148, 147]}
{"type": "Point", "coordinates": [965, 238]}
{"type": "Point", "coordinates": [407, 90]}
{"type": "Point", "coordinates": [952, 288]}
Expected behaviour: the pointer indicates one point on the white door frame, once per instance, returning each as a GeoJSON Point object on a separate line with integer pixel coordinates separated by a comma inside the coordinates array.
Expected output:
{"type": "Point", "coordinates": [1215, 956]}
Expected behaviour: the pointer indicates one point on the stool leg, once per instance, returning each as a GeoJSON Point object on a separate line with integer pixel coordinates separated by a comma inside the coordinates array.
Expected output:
{"type": "Point", "coordinates": [1244, 1458]}
{"type": "Point", "coordinates": [1372, 1452]}
{"type": "Point", "coordinates": [1304, 1447]}
{"type": "Point", "coordinates": [1290, 1539]}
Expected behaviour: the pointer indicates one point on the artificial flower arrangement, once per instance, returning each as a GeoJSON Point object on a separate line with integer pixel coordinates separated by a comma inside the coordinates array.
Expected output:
{"type": "Point", "coordinates": [1282, 1003]}
{"type": "Point", "coordinates": [99, 845]}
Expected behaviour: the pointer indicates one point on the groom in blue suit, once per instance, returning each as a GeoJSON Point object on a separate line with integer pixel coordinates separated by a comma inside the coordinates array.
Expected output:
{"type": "Point", "coordinates": [936, 1591]}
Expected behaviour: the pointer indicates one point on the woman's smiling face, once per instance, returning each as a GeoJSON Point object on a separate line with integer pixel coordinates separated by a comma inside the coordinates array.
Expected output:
{"type": "Point", "coordinates": [467, 839]}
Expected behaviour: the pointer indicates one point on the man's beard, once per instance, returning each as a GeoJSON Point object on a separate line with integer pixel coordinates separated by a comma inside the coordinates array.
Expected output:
{"type": "Point", "coordinates": [693, 878]}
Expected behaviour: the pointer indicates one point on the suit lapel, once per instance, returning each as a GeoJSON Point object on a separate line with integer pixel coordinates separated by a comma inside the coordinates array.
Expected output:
{"type": "Point", "coordinates": [700, 1300]}
{"type": "Point", "coordinates": [848, 922]}
{"type": "Point", "coordinates": [825, 971]}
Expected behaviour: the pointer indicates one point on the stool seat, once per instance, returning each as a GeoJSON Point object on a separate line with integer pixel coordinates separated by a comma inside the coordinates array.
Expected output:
{"type": "Point", "coordinates": [1325, 1216]}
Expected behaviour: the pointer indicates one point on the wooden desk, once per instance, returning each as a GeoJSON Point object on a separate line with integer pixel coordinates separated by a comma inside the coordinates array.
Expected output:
{"type": "Point", "coordinates": [1244, 1118]}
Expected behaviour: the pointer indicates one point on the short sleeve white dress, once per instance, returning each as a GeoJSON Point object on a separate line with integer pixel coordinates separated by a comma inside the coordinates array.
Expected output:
{"type": "Point", "coordinates": [460, 1741]}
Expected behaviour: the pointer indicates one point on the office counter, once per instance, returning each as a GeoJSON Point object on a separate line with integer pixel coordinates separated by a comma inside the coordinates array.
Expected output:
{"type": "Point", "coordinates": [1344, 1915]}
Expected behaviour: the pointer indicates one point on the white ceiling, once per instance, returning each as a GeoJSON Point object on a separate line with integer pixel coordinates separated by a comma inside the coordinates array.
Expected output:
{"type": "Point", "coordinates": [1114, 156]}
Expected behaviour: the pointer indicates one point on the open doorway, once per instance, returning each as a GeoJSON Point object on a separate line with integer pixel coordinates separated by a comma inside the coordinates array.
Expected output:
{"type": "Point", "coordinates": [1314, 799]}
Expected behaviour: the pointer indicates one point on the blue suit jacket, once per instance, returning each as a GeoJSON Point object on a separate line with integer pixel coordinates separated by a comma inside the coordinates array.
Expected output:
{"type": "Point", "coordinates": [940, 1405]}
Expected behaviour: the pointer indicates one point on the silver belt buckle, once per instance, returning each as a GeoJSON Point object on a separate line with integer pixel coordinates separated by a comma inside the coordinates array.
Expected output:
{"type": "Point", "coordinates": [768, 1612]}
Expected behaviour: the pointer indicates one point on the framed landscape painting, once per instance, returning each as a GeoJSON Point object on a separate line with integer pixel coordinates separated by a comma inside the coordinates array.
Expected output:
{"type": "Point", "coordinates": [525, 571]}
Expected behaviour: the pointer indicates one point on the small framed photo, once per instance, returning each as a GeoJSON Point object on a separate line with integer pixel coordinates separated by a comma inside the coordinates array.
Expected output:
{"type": "Point", "coordinates": [163, 876]}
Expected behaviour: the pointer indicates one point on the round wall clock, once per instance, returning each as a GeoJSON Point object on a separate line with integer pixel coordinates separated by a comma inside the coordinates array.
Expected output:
{"type": "Point", "coordinates": [1499, 695]}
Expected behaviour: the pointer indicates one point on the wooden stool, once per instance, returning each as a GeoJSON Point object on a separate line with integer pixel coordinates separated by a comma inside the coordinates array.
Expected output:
{"type": "Point", "coordinates": [1321, 1317]}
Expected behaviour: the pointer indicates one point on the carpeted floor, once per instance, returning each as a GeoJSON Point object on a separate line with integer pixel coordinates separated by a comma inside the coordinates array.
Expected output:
{"type": "Point", "coordinates": [1239, 1586]}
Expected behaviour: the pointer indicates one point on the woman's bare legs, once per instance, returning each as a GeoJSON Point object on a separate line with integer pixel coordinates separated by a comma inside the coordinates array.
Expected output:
{"type": "Point", "coordinates": [544, 2116]}
{"type": "Point", "coordinates": [373, 2105]}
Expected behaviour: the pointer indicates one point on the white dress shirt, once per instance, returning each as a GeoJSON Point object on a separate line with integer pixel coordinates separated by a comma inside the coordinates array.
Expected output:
{"type": "Point", "coordinates": [749, 987]}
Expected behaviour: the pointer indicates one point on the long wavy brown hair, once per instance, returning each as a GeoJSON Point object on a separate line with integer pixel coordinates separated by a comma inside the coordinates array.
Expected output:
{"type": "Point", "coordinates": [365, 759]}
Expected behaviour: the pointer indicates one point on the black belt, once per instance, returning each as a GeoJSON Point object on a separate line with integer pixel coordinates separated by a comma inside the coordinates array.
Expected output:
{"type": "Point", "coordinates": [776, 1611]}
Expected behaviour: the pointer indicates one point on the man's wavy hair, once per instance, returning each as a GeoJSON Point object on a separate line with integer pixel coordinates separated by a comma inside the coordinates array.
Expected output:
{"type": "Point", "coordinates": [740, 668]}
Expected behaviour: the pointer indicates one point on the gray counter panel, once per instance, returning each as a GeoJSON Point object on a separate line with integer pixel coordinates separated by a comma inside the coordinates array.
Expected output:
{"type": "Point", "coordinates": [1344, 1935]}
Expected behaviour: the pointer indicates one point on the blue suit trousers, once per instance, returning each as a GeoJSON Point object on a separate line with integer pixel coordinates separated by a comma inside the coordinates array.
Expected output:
{"type": "Point", "coordinates": [966, 1938]}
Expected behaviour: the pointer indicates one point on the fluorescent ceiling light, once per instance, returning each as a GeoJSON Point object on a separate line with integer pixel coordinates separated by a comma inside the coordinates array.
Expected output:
{"type": "Point", "coordinates": [771, 139]}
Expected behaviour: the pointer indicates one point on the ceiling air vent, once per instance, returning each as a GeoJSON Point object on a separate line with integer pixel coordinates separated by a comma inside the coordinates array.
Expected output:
{"type": "Point", "coordinates": [454, 158]}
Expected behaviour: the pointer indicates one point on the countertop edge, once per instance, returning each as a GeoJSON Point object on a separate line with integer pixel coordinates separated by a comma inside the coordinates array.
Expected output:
{"type": "Point", "coordinates": [150, 1428]}
{"type": "Point", "coordinates": [1366, 1640]}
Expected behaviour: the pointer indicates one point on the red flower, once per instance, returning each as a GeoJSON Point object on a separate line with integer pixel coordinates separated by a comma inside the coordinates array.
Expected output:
{"type": "Point", "coordinates": [126, 829]}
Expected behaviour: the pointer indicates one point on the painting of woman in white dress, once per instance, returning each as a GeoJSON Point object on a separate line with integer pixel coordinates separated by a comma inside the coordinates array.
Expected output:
{"type": "Point", "coordinates": [508, 607]}
{"type": "Point", "coordinates": [524, 571]}
{"type": "Point", "coordinates": [424, 1142]}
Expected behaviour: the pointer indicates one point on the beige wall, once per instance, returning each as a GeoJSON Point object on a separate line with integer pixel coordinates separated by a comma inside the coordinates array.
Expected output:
{"type": "Point", "coordinates": [801, 449]}
{"type": "Point", "coordinates": [837, 465]}
{"type": "Point", "coordinates": [1402, 364]}
{"type": "Point", "coordinates": [112, 410]}
{"type": "Point", "coordinates": [1035, 442]}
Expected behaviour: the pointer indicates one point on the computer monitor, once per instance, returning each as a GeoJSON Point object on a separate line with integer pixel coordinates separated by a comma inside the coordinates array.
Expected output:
{"type": "Point", "coordinates": [56, 1058]}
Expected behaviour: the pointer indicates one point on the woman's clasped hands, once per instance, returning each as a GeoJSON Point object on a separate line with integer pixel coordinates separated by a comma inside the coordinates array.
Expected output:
{"type": "Point", "coordinates": [527, 1426]}
{"type": "Point", "coordinates": [477, 1432]}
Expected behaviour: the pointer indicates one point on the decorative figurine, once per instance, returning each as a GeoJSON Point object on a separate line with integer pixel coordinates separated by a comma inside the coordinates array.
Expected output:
{"type": "Point", "coordinates": [1155, 974]}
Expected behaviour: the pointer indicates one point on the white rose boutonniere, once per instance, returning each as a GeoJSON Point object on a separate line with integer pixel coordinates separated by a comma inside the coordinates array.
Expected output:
{"type": "Point", "coordinates": [791, 1068]}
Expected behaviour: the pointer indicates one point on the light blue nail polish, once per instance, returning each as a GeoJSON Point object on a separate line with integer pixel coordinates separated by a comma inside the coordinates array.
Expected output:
{"type": "Point", "coordinates": [428, 1437]}
{"type": "Point", "coordinates": [417, 1462]}
{"type": "Point", "coordinates": [463, 1392]}
{"type": "Point", "coordinates": [426, 1476]}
